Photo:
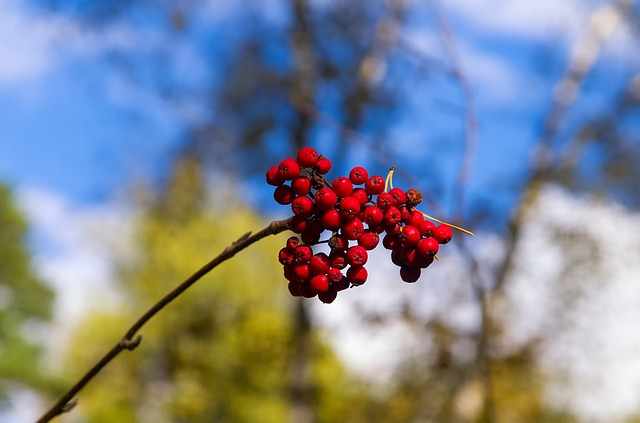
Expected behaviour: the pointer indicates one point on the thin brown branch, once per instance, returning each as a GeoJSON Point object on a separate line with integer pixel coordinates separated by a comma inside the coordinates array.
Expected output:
{"type": "Point", "coordinates": [603, 22]}
{"type": "Point", "coordinates": [131, 339]}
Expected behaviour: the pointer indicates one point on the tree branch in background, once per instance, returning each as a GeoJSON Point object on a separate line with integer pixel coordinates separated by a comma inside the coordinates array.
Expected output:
{"type": "Point", "coordinates": [131, 339]}
{"type": "Point", "coordinates": [603, 22]}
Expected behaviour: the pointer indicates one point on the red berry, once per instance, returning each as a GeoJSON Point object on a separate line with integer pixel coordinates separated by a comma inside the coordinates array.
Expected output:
{"type": "Point", "coordinates": [311, 235]}
{"type": "Point", "coordinates": [326, 198]}
{"type": "Point", "coordinates": [299, 224]}
{"type": "Point", "coordinates": [359, 175]}
{"type": "Point", "coordinates": [334, 274]}
{"type": "Point", "coordinates": [289, 169]}
{"type": "Point", "coordinates": [427, 227]}
{"type": "Point", "coordinates": [342, 186]}
{"type": "Point", "coordinates": [357, 255]}
{"type": "Point", "coordinates": [443, 234]}
{"type": "Point", "coordinates": [296, 289]}
{"type": "Point", "coordinates": [320, 283]}
{"type": "Point", "coordinates": [361, 195]}
{"type": "Point", "coordinates": [303, 253]}
{"type": "Point", "coordinates": [283, 194]}
{"type": "Point", "coordinates": [350, 207]}
{"type": "Point", "coordinates": [411, 257]}
{"type": "Point", "coordinates": [319, 264]}
{"type": "Point", "coordinates": [273, 176]}
{"type": "Point", "coordinates": [286, 256]}
{"type": "Point", "coordinates": [410, 234]}
{"type": "Point", "coordinates": [389, 241]}
{"type": "Point", "coordinates": [373, 215]}
{"type": "Point", "coordinates": [369, 240]}
{"type": "Point", "coordinates": [357, 275]}
{"type": "Point", "coordinates": [415, 219]}
{"type": "Point", "coordinates": [375, 185]}
{"type": "Point", "coordinates": [308, 157]}
{"type": "Point", "coordinates": [410, 274]}
{"type": "Point", "coordinates": [301, 185]}
{"type": "Point", "coordinates": [406, 214]}
{"type": "Point", "coordinates": [292, 242]}
{"type": "Point", "coordinates": [385, 200]}
{"type": "Point", "coordinates": [328, 297]}
{"type": "Point", "coordinates": [353, 228]}
{"type": "Point", "coordinates": [391, 217]}
{"type": "Point", "coordinates": [399, 196]}
{"type": "Point", "coordinates": [338, 260]}
{"type": "Point", "coordinates": [398, 256]}
{"type": "Point", "coordinates": [302, 206]}
{"type": "Point", "coordinates": [394, 229]}
{"type": "Point", "coordinates": [424, 261]}
{"type": "Point", "coordinates": [337, 242]}
{"type": "Point", "coordinates": [331, 220]}
{"type": "Point", "coordinates": [428, 246]}
{"type": "Point", "coordinates": [323, 165]}
{"type": "Point", "coordinates": [301, 271]}
{"type": "Point", "coordinates": [340, 285]}
{"type": "Point", "coordinates": [308, 291]}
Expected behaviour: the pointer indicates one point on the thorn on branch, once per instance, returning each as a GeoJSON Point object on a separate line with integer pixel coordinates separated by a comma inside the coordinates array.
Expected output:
{"type": "Point", "coordinates": [131, 344]}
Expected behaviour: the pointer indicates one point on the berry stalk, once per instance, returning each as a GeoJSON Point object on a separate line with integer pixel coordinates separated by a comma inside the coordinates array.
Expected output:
{"type": "Point", "coordinates": [131, 339]}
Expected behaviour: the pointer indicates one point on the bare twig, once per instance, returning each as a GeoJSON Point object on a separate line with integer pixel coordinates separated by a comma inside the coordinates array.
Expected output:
{"type": "Point", "coordinates": [131, 339]}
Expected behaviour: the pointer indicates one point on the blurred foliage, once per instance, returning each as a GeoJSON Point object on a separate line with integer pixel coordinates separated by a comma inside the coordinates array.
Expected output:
{"type": "Point", "coordinates": [220, 352]}
{"type": "Point", "coordinates": [25, 302]}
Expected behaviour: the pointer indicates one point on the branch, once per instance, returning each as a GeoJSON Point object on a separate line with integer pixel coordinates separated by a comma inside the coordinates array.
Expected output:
{"type": "Point", "coordinates": [131, 339]}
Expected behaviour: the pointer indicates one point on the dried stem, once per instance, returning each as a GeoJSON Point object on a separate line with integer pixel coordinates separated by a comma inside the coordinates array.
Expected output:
{"type": "Point", "coordinates": [131, 339]}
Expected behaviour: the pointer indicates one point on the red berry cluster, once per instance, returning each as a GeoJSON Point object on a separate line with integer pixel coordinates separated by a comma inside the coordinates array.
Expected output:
{"type": "Point", "coordinates": [344, 207]}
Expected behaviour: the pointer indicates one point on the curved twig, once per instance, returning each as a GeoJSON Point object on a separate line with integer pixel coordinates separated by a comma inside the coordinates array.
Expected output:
{"type": "Point", "coordinates": [131, 339]}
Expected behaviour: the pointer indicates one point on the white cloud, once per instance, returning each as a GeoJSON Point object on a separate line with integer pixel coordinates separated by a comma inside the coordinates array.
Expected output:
{"type": "Point", "coordinates": [75, 251]}
{"type": "Point", "coordinates": [34, 43]}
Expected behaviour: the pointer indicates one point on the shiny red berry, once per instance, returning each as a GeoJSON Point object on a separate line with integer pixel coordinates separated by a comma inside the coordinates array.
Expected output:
{"type": "Point", "coordinates": [350, 206]}
{"type": "Point", "coordinates": [285, 256]}
{"type": "Point", "coordinates": [301, 271]}
{"type": "Point", "coordinates": [293, 242]}
{"type": "Point", "coordinates": [428, 246]}
{"type": "Point", "coordinates": [327, 297]}
{"type": "Point", "coordinates": [302, 253]}
{"type": "Point", "coordinates": [338, 259]}
{"type": "Point", "coordinates": [410, 274]}
{"type": "Point", "coordinates": [399, 196]}
{"type": "Point", "coordinates": [331, 220]}
{"type": "Point", "coordinates": [299, 224]}
{"type": "Point", "coordinates": [357, 255]}
{"type": "Point", "coordinates": [427, 227]}
{"type": "Point", "coordinates": [323, 165]}
{"type": "Point", "coordinates": [392, 216]}
{"type": "Point", "coordinates": [320, 283]}
{"type": "Point", "coordinates": [308, 157]}
{"type": "Point", "coordinates": [369, 240]}
{"type": "Point", "coordinates": [373, 215]}
{"type": "Point", "coordinates": [283, 195]}
{"type": "Point", "coordinates": [443, 234]}
{"type": "Point", "coordinates": [334, 274]}
{"type": "Point", "coordinates": [326, 198]}
{"type": "Point", "coordinates": [411, 234]}
{"type": "Point", "coordinates": [301, 185]}
{"type": "Point", "coordinates": [415, 219]}
{"type": "Point", "coordinates": [385, 200]}
{"type": "Point", "coordinates": [375, 185]}
{"type": "Point", "coordinates": [359, 175]}
{"type": "Point", "coordinates": [353, 228]}
{"type": "Point", "coordinates": [342, 186]}
{"type": "Point", "coordinates": [337, 242]}
{"type": "Point", "coordinates": [296, 289]}
{"type": "Point", "coordinates": [289, 169]}
{"type": "Point", "coordinates": [361, 195]}
{"type": "Point", "coordinates": [357, 275]}
{"type": "Point", "coordinates": [273, 176]}
{"type": "Point", "coordinates": [302, 206]}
